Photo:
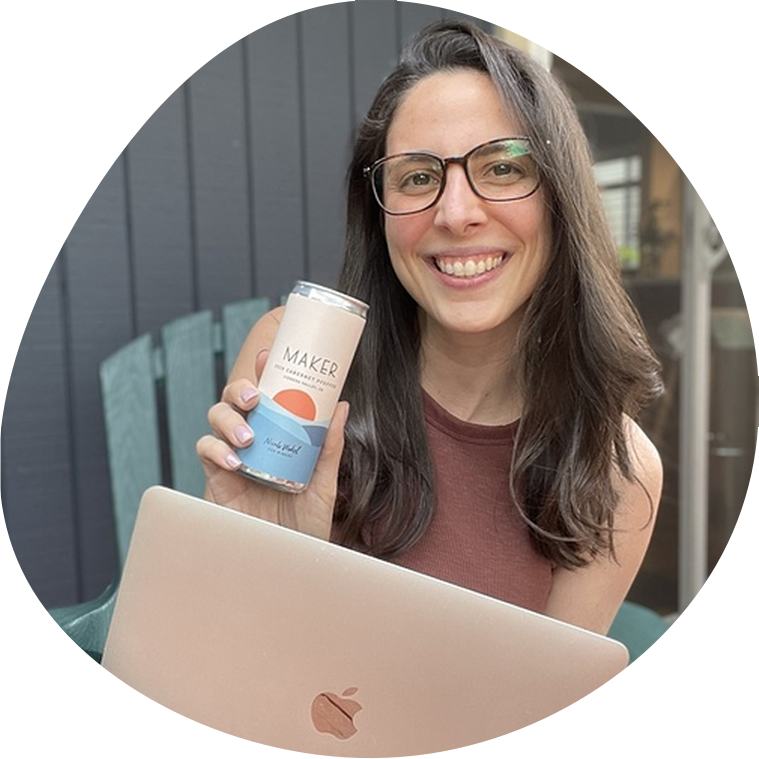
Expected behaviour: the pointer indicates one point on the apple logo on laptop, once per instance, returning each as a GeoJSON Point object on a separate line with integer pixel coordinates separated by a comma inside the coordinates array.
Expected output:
{"type": "Point", "coordinates": [334, 714]}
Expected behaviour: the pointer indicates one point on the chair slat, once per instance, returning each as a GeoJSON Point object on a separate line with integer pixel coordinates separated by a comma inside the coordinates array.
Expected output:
{"type": "Point", "coordinates": [190, 392]}
{"type": "Point", "coordinates": [87, 623]}
{"type": "Point", "coordinates": [131, 424]}
{"type": "Point", "coordinates": [237, 320]}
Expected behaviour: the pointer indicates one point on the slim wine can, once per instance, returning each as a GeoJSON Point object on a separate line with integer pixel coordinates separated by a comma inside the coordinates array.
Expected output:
{"type": "Point", "coordinates": [301, 385]}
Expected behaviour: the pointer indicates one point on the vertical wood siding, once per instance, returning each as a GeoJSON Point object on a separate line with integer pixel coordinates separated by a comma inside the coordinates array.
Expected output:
{"type": "Point", "coordinates": [233, 188]}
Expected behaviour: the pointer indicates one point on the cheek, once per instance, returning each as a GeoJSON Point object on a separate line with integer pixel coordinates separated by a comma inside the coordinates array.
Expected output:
{"type": "Point", "coordinates": [527, 220]}
{"type": "Point", "coordinates": [402, 234]}
{"type": "Point", "coordinates": [401, 237]}
{"type": "Point", "coordinates": [532, 227]}
{"type": "Point", "coordinates": [394, 242]}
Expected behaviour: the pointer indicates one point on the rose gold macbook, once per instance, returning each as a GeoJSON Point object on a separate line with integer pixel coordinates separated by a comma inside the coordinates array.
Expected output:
{"type": "Point", "coordinates": [293, 642]}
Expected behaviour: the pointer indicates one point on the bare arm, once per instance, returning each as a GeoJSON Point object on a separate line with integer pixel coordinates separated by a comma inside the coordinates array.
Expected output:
{"type": "Point", "coordinates": [590, 597]}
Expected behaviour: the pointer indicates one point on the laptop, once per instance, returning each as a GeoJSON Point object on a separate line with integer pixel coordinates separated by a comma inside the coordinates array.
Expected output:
{"type": "Point", "coordinates": [293, 642]}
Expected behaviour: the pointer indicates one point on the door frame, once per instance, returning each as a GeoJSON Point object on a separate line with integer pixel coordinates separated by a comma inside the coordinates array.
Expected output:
{"type": "Point", "coordinates": [704, 251]}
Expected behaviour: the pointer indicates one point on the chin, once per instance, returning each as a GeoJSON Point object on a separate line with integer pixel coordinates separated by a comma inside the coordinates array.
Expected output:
{"type": "Point", "coordinates": [469, 326]}
{"type": "Point", "coordinates": [479, 319]}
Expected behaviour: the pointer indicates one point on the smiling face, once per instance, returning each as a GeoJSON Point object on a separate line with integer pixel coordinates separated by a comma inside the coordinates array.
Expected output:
{"type": "Point", "coordinates": [470, 264]}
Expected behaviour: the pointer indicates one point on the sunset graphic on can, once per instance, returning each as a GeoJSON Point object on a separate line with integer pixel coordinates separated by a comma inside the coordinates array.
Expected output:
{"type": "Point", "coordinates": [297, 402]}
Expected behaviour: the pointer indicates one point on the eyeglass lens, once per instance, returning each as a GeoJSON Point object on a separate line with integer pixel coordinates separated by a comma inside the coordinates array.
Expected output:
{"type": "Point", "coordinates": [497, 171]}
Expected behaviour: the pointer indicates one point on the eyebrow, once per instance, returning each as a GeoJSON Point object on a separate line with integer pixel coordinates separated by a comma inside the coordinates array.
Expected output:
{"type": "Point", "coordinates": [517, 148]}
{"type": "Point", "coordinates": [414, 155]}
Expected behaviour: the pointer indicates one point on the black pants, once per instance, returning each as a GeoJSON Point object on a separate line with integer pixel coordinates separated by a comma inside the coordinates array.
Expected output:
{"type": "Point", "coordinates": [44, 696]}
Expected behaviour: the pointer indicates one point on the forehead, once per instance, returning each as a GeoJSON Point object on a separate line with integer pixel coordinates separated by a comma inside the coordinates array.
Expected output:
{"type": "Point", "coordinates": [448, 113]}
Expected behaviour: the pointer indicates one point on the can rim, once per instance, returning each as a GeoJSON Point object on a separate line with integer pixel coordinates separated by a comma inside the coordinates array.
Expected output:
{"type": "Point", "coordinates": [336, 298]}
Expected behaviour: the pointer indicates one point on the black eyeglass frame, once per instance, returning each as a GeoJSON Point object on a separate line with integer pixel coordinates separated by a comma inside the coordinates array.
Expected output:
{"type": "Point", "coordinates": [370, 172]}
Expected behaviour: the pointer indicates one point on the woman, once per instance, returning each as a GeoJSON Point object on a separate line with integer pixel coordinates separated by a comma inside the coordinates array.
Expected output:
{"type": "Point", "coordinates": [490, 440]}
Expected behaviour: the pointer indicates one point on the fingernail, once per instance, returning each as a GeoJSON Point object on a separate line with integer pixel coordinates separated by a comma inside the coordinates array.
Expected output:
{"type": "Point", "coordinates": [243, 434]}
{"type": "Point", "coordinates": [233, 461]}
{"type": "Point", "coordinates": [248, 394]}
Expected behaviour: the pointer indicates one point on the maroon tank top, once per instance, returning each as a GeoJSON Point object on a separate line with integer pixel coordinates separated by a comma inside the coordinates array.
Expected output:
{"type": "Point", "coordinates": [477, 538]}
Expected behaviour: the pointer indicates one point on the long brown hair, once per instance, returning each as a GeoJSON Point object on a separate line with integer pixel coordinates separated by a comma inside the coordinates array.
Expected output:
{"type": "Point", "coordinates": [585, 362]}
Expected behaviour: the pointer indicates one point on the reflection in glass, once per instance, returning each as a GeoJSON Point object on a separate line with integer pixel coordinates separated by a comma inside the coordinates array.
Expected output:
{"type": "Point", "coordinates": [622, 69]}
{"type": "Point", "coordinates": [733, 499]}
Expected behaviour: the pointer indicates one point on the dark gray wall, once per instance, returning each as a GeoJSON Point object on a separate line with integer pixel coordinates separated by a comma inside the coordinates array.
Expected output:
{"type": "Point", "coordinates": [232, 189]}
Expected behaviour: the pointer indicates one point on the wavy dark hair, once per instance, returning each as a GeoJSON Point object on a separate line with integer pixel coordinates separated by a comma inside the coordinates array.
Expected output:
{"type": "Point", "coordinates": [585, 362]}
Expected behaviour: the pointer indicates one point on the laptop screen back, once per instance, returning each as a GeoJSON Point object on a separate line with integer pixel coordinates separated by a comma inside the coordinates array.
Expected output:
{"type": "Point", "coordinates": [293, 642]}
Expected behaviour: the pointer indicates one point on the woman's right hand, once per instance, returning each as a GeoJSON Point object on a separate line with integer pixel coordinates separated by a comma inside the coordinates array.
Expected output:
{"type": "Point", "coordinates": [309, 511]}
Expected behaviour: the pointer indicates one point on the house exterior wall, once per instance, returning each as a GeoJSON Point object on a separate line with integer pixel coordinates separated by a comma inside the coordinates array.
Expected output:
{"type": "Point", "coordinates": [192, 215]}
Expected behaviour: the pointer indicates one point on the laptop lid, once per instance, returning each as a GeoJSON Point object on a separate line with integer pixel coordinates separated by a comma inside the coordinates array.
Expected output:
{"type": "Point", "coordinates": [290, 641]}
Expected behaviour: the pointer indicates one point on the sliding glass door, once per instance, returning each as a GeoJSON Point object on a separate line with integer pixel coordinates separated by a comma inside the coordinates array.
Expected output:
{"type": "Point", "coordinates": [723, 282]}
{"type": "Point", "coordinates": [669, 95]}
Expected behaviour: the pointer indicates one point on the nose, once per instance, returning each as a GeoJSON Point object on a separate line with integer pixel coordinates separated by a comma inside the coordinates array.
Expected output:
{"type": "Point", "coordinates": [459, 209]}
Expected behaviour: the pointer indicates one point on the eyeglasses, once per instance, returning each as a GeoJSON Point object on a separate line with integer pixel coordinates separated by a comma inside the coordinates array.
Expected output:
{"type": "Point", "coordinates": [498, 171]}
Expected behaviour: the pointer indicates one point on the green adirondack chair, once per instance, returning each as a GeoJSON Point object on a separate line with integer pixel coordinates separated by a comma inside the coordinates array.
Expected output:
{"type": "Point", "coordinates": [155, 401]}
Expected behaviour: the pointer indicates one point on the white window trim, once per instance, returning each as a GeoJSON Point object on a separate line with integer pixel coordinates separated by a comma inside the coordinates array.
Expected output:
{"type": "Point", "coordinates": [528, 24]}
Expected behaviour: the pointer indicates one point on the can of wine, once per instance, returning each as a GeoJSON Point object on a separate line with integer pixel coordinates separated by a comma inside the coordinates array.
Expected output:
{"type": "Point", "coordinates": [301, 385]}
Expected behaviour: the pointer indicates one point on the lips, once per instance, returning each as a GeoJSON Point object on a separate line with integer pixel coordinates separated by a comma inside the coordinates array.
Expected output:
{"type": "Point", "coordinates": [469, 266]}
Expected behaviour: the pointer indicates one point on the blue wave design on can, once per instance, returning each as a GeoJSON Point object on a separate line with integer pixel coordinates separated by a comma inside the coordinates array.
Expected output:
{"type": "Point", "coordinates": [284, 445]}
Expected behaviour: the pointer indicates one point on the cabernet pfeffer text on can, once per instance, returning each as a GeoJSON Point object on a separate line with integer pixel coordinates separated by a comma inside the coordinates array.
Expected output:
{"type": "Point", "coordinates": [301, 385]}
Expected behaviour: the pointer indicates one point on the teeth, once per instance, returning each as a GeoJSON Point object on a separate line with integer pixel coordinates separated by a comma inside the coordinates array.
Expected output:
{"type": "Point", "coordinates": [469, 268]}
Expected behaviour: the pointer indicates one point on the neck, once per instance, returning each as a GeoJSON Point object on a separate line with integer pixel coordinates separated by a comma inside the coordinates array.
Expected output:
{"type": "Point", "coordinates": [473, 376]}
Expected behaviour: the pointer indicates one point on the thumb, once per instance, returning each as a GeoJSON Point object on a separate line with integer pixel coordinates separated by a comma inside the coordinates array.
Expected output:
{"type": "Point", "coordinates": [261, 358]}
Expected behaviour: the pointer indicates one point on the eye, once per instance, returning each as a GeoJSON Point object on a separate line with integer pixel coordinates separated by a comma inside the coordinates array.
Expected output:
{"type": "Point", "coordinates": [417, 180]}
{"type": "Point", "coordinates": [503, 170]}
{"type": "Point", "coordinates": [413, 175]}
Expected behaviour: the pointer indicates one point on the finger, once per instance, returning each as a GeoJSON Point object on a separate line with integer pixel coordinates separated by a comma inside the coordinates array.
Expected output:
{"type": "Point", "coordinates": [213, 452]}
{"type": "Point", "coordinates": [241, 394]}
{"type": "Point", "coordinates": [229, 425]}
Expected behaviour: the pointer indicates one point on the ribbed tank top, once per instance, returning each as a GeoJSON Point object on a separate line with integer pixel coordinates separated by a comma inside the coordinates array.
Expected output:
{"type": "Point", "coordinates": [477, 538]}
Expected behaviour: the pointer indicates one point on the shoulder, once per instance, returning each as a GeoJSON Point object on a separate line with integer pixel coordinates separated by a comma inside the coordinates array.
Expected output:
{"type": "Point", "coordinates": [642, 493]}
